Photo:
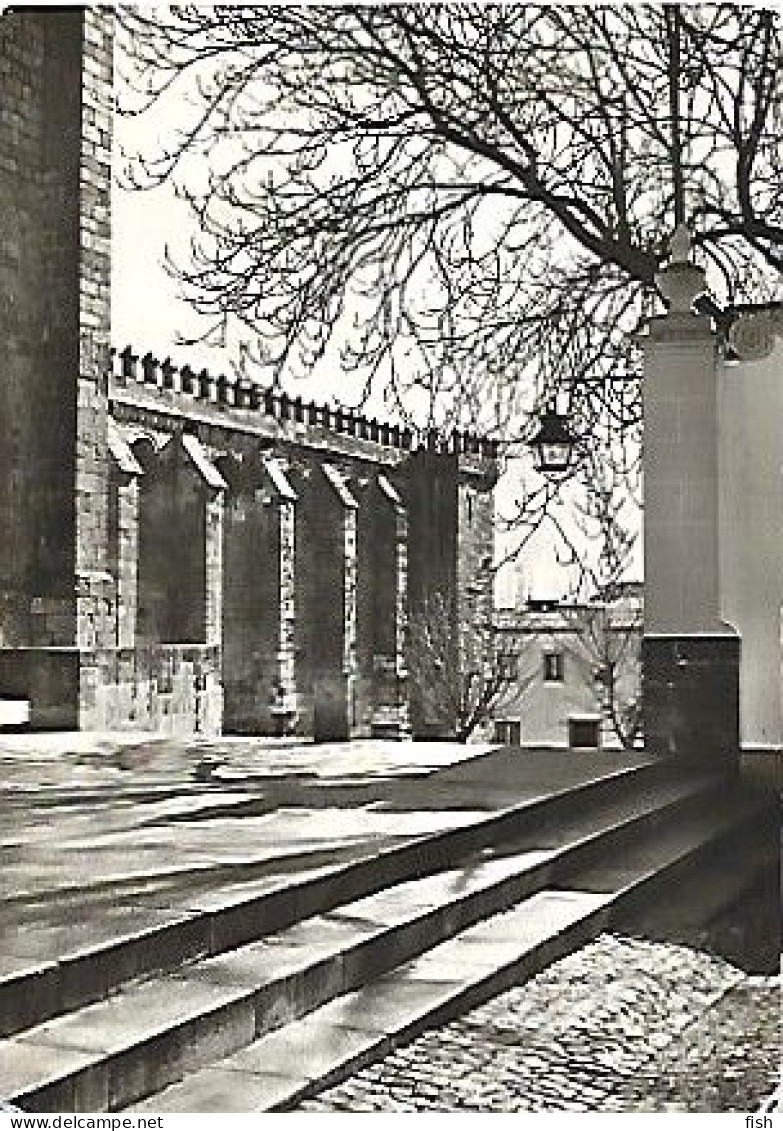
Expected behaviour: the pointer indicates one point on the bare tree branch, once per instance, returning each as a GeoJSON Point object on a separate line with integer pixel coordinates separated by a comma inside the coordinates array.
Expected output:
{"type": "Point", "coordinates": [462, 205]}
{"type": "Point", "coordinates": [459, 672]}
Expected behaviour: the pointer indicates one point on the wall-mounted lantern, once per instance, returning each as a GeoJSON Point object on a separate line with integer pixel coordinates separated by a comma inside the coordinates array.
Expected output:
{"type": "Point", "coordinates": [553, 443]}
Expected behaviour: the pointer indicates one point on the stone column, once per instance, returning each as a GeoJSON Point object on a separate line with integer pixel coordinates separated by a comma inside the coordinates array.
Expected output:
{"type": "Point", "coordinates": [95, 591]}
{"type": "Point", "coordinates": [127, 562]}
{"type": "Point", "coordinates": [213, 550]}
{"type": "Point", "coordinates": [401, 622]}
{"type": "Point", "coordinates": [209, 686]}
{"type": "Point", "coordinates": [258, 595]}
{"type": "Point", "coordinates": [350, 612]}
{"type": "Point", "coordinates": [284, 706]}
{"type": "Point", "coordinates": [124, 535]}
{"type": "Point", "coordinates": [690, 667]}
{"type": "Point", "coordinates": [474, 581]}
{"type": "Point", "coordinates": [391, 713]}
{"type": "Point", "coordinates": [333, 606]}
{"type": "Point", "coordinates": [751, 564]}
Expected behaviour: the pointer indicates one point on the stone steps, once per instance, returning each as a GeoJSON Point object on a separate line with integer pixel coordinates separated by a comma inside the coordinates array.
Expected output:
{"type": "Point", "coordinates": [169, 930]}
{"type": "Point", "coordinates": [307, 1055]}
{"type": "Point", "coordinates": [152, 1034]}
{"type": "Point", "coordinates": [319, 1050]}
{"type": "Point", "coordinates": [706, 887]}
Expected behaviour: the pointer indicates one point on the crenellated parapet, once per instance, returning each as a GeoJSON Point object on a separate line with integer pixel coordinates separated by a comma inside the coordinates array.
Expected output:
{"type": "Point", "coordinates": [271, 552]}
{"type": "Point", "coordinates": [146, 383]}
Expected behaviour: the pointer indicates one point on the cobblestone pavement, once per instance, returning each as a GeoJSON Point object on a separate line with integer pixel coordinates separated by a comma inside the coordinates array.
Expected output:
{"type": "Point", "coordinates": [622, 1025]}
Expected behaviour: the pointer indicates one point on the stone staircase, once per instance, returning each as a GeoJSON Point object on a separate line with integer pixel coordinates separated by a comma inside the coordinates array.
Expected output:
{"type": "Point", "coordinates": [264, 999]}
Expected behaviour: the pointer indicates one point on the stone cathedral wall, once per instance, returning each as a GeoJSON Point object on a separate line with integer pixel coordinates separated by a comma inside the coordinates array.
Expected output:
{"type": "Point", "coordinates": [180, 550]}
{"type": "Point", "coordinates": [55, 161]}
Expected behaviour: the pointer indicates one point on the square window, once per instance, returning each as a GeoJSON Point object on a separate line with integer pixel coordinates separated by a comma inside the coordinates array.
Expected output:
{"type": "Point", "coordinates": [553, 667]}
{"type": "Point", "coordinates": [508, 732]}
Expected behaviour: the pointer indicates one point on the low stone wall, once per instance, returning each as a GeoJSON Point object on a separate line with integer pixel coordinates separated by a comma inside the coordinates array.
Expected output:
{"type": "Point", "coordinates": [166, 688]}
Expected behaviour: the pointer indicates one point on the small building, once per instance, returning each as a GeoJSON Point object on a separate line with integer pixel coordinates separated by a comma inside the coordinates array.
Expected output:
{"type": "Point", "coordinates": [578, 671]}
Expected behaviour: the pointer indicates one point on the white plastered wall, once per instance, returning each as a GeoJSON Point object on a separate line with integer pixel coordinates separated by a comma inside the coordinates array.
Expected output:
{"type": "Point", "coordinates": [751, 523]}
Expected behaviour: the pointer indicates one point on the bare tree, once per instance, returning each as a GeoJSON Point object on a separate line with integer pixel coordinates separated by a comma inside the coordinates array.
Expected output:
{"type": "Point", "coordinates": [470, 202]}
{"type": "Point", "coordinates": [459, 670]}
{"type": "Point", "coordinates": [608, 636]}
{"type": "Point", "coordinates": [606, 620]}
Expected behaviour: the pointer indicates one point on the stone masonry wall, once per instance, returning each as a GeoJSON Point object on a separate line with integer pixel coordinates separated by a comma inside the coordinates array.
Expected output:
{"type": "Point", "coordinates": [325, 623]}
{"type": "Point", "coordinates": [474, 585]}
{"type": "Point", "coordinates": [251, 617]}
{"type": "Point", "coordinates": [96, 586]}
{"type": "Point", "coordinates": [166, 552]}
{"type": "Point", "coordinates": [381, 612]}
{"type": "Point", "coordinates": [22, 48]}
{"type": "Point", "coordinates": [117, 583]}
{"type": "Point", "coordinates": [56, 598]}
{"type": "Point", "coordinates": [432, 577]}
